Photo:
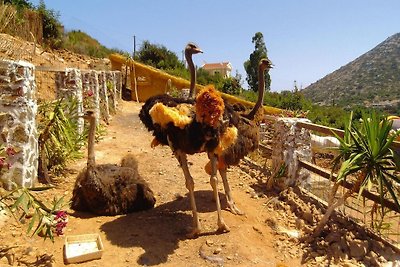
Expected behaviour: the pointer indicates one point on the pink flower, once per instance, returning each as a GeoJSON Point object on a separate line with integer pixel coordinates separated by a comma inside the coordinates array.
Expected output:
{"type": "Point", "coordinates": [61, 214]}
{"type": "Point", "coordinates": [89, 92]}
{"type": "Point", "coordinates": [61, 222]}
{"type": "Point", "coordinates": [10, 151]}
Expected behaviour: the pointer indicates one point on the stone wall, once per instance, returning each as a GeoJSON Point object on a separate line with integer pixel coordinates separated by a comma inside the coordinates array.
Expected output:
{"type": "Point", "coordinates": [18, 129]}
{"type": "Point", "coordinates": [99, 91]}
{"type": "Point", "coordinates": [18, 110]}
{"type": "Point", "coordinates": [289, 144]}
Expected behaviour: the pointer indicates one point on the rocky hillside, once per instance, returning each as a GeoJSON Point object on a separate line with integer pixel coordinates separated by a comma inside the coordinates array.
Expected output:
{"type": "Point", "coordinates": [373, 79]}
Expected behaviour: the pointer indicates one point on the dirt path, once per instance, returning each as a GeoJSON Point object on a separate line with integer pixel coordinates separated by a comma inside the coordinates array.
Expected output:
{"type": "Point", "coordinates": [157, 237]}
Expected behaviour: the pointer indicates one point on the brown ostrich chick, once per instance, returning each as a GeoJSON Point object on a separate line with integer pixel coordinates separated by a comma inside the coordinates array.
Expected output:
{"type": "Point", "coordinates": [109, 189]}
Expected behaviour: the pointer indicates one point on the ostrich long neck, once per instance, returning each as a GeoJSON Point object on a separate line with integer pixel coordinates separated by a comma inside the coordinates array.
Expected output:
{"type": "Point", "coordinates": [91, 162]}
{"type": "Point", "coordinates": [192, 71]}
{"type": "Point", "coordinates": [261, 89]}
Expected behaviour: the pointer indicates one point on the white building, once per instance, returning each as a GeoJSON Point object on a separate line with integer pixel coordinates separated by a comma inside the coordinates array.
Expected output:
{"type": "Point", "coordinates": [223, 68]}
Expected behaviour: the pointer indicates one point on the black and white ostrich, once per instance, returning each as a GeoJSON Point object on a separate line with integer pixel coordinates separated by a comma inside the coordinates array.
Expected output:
{"type": "Point", "coordinates": [207, 124]}
{"type": "Point", "coordinates": [109, 189]}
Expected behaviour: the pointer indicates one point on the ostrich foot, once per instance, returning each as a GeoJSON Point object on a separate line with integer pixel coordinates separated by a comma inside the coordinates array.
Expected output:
{"type": "Point", "coordinates": [223, 228]}
{"type": "Point", "coordinates": [194, 233]}
{"type": "Point", "coordinates": [234, 209]}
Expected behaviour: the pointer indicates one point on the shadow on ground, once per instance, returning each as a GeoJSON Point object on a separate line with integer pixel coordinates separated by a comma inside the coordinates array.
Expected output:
{"type": "Point", "coordinates": [159, 230]}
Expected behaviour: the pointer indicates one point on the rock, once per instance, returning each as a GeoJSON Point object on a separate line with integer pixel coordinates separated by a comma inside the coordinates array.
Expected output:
{"type": "Point", "coordinates": [349, 264]}
{"type": "Point", "coordinates": [217, 250]}
{"type": "Point", "coordinates": [333, 237]}
{"type": "Point", "coordinates": [358, 248]}
{"type": "Point", "coordinates": [209, 243]}
{"type": "Point", "coordinates": [319, 259]}
{"type": "Point", "coordinates": [337, 251]}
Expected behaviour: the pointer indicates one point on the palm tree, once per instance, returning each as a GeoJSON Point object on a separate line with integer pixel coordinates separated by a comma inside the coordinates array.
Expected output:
{"type": "Point", "coordinates": [366, 154]}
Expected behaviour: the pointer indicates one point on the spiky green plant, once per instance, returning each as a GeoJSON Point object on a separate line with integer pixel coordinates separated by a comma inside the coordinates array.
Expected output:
{"type": "Point", "coordinates": [59, 141]}
{"type": "Point", "coordinates": [366, 156]}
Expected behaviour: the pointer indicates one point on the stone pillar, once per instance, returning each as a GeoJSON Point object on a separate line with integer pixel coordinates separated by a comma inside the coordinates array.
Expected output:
{"type": "Point", "coordinates": [69, 85]}
{"type": "Point", "coordinates": [18, 131]}
{"type": "Point", "coordinates": [118, 85]}
{"type": "Point", "coordinates": [90, 88]}
{"type": "Point", "coordinates": [111, 92]}
{"type": "Point", "coordinates": [103, 97]}
{"type": "Point", "coordinates": [289, 144]}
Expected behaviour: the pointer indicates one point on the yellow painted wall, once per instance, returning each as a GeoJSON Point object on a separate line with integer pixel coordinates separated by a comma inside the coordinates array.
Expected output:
{"type": "Point", "coordinates": [151, 81]}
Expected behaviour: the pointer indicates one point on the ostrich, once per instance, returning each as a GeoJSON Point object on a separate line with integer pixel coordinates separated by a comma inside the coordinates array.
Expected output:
{"type": "Point", "coordinates": [207, 124]}
{"type": "Point", "coordinates": [109, 189]}
{"type": "Point", "coordinates": [243, 129]}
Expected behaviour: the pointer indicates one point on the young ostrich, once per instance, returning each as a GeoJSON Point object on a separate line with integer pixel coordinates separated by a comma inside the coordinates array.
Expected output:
{"type": "Point", "coordinates": [206, 125]}
{"type": "Point", "coordinates": [109, 189]}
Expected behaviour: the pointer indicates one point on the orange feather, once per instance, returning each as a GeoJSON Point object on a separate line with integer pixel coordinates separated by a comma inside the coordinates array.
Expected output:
{"type": "Point", "coordinates": [209, 106]}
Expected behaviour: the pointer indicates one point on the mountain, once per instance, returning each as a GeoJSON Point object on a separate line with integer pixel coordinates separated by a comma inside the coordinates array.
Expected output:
{"type": "Point", "coordinates": [371, 80]}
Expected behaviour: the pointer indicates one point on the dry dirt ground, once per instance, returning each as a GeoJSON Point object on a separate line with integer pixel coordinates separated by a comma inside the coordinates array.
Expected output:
{"type": "Point", "coordinates": [158, 236]}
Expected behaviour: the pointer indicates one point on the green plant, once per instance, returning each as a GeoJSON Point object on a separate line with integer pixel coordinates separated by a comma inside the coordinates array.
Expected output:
{"type": "Point", "coordinates": [43, 220]}
{"type": "Point", "coordinates": [365, 154]}
{"type": "Point", "coordinates": [59, 141]}
{"type": "Point", "coordinates": [110, 95]}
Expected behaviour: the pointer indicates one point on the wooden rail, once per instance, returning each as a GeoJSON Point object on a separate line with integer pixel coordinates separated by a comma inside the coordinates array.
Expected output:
{"type": "Point", "coordinates": [328, 131]}
{"type": "Point", "coordinates": [365, 193]}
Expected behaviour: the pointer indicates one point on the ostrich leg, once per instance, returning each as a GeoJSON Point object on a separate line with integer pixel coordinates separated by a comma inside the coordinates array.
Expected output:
{"type": "Point", "coordinates": [182, 159]}
{"type": "Point", "coordinates": [228, 194]}
{"type": "Point", "coordinates": [222, 227]}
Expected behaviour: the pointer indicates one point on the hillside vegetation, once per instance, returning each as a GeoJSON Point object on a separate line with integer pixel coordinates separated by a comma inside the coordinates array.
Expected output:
{"type": "Point", "coordinates": [81, 43]}
{"type": "Point", "coordinates": [371, 80]}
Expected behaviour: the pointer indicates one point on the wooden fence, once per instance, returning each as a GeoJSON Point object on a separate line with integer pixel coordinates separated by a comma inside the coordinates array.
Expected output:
{"type": "Point", "coordinates": [358, 208]}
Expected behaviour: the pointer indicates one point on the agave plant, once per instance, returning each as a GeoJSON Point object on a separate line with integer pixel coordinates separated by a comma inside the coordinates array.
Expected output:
{"type": "Point", "coordinates": [367, 157]}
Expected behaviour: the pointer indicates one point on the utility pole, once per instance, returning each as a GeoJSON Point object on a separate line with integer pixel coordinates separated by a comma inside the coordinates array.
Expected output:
{"type": "Point", "coordinates": [134, 47]}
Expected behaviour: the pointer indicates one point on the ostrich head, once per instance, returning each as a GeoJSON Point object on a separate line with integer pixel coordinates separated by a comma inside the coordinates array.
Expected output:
{"type": "Point", "coordinates": [88, 115]}
{"type": "Point", "coordinates": [191, 49]}
{"type": "Point", "coordinates": [264, 64]}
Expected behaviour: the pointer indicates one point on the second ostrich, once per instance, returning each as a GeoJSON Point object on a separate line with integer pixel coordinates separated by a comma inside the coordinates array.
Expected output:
{"type": "Point", "coordinates": [109, 189]}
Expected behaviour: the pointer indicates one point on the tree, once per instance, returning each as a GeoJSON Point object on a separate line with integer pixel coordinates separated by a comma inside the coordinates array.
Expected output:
{"type": "Point", "coordinates": [158, 56]}
{"type": "Point", "coordinates": [19, 4]}
{"type": "Point", "coordinates": [251, 65]}
{"type": "Point", "coordinates": [231, 86]}
{"type": "Point", "coordinates": [52, 27]}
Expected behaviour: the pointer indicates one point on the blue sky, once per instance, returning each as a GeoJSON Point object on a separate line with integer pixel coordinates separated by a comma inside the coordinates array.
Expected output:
{"type": "Point", "coordinates": [306, 40]}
